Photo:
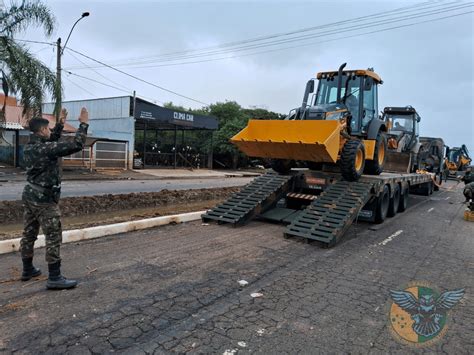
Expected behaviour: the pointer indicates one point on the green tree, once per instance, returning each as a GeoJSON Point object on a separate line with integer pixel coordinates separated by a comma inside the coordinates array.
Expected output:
{"type": "Point", "coordinates": [232, 118]}
{"type": "Point", "coordinates": [22, 73]}
{"type": "Point", "coordinates": [263, 114]}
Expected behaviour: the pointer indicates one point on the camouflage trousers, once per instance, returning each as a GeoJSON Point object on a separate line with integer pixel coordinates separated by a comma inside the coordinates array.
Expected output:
{"type": "Point", "coordinates": [47, 216]}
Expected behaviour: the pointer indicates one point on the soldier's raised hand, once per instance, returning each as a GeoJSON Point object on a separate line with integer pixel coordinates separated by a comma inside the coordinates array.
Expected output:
{"type": "Point", "coordinates": [63, 116]}
{"type": "Point", "coordinates": [84, 116]}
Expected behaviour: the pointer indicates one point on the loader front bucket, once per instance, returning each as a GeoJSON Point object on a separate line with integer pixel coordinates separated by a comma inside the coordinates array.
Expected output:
{"type": "Point", "coordinates": [397, 162]}
{"type": "Point", "coordinates": [311, 140]}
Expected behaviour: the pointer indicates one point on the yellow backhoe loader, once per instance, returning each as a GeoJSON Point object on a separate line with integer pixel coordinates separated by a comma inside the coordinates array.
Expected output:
{"type": "Point", "coordinates": [337, 124]}
{"type": "Point", "coordinates": [457, 159]}
{"type": "Point", "coordinates": [404, 152]}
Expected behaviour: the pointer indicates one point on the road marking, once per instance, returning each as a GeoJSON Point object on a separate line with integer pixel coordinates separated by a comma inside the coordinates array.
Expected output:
{"type": "Point", "coordinates": [431, 209]}
{"type": "Point", "coordinates": [390, 238]}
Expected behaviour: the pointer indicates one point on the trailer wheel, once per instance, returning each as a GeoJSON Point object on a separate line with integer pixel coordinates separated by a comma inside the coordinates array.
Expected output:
{"type": "Point", "coordinates": [426, 188]}
{"type": "Point", "coordinates": [383, 202]}
{"type": "Point", "coordinates": [282, 166]}
{"type": "Point", "coordinates": [404, 200]}
{"type": "Point", "coordinates": [352, 160]}
{"type": "Point", "coordinates": [375, 166]}
{"type": "Point", "coordinates": [439, 181]}
{"type": "Point", "coordinates": [394, 202]}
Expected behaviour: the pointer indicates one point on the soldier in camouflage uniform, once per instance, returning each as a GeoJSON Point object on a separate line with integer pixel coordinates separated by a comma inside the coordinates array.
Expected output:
{"type": "Point", "coordinates": [41, 194]}
{"type": "Point", "coordinates": [468, 179]}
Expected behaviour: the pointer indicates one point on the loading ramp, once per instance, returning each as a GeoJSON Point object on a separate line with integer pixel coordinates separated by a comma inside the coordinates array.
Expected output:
{"type": "Point", "coordinates": [327, 218]}
{"type": "Point", "coordinates": [255, 198]}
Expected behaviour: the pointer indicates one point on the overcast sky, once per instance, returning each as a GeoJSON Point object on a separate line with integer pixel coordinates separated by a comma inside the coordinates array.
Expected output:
{"type": "Point", "coordinates": [428, 66]}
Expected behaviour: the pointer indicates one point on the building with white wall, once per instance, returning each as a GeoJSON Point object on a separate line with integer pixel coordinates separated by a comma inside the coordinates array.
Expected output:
{"type": "Point", "coordinates": [113, 122]}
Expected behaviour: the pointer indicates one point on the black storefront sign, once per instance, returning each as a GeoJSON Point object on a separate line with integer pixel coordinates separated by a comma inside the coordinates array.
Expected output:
{"type": "Point", "coordinates": [150, 112]}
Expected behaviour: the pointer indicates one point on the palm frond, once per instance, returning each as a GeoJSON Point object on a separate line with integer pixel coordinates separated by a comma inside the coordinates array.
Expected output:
{"type": "Point", "coordinates": [29, 13]}
{"type": "Point", "coordinates": [27, 76]}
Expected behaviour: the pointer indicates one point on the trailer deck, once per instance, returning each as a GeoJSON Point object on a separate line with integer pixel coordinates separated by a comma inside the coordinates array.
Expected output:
{"type": "Point", "coordinates": [319, 206]}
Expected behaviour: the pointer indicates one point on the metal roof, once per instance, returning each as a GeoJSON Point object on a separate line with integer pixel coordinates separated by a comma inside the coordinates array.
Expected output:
{"type": "Point", "coordinates": [156, 117]}
{"type": "Point", "coordinates": [11, 125]}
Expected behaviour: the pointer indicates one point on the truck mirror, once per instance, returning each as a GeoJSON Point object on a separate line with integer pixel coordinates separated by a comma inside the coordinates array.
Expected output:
{"type": "Point", "coordinates": [310, 86]}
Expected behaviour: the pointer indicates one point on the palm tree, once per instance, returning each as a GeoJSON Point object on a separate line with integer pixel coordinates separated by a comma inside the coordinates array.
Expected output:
{"type": "Point", "coordinates": [22, 73]}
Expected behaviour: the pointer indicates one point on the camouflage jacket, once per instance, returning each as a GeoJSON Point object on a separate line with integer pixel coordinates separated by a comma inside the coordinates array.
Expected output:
{"type": "Point", "coordinates": [41, 160]}
{"type": "Point", "coordinates": [468, 178]}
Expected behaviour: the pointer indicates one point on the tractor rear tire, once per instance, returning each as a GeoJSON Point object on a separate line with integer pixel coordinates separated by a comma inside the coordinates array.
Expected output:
{"type": "Point", "coordinates": [282, 166]}
{"type": "Point", "coordinates": [394, 201]}
{"type": "Point", "coordinates": [375, 166]}
{"type": "Point", "coordinates": [352, 160]}
{"type": "Point", "coordinates": [383, 203]}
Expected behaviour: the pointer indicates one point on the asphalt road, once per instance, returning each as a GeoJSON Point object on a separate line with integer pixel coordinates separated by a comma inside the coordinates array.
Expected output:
{"type": "Point", "coordinates": [174, 289]}
{"type": "Point", "coordinates": [12, 190]}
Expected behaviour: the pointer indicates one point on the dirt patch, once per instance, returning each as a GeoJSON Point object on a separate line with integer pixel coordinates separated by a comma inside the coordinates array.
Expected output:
{"type": "Point", "coordinates": [88, 211]}
{"type": "Point", "coordinates": [12, 307]}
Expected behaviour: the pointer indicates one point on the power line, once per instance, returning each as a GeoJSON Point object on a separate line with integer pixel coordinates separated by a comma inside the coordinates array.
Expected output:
{"type": "Point", "coordinates": [305, 44]}
{"type": "Point", "coordinates": [261, 38]}
{"type": "Point", "coordinates": [80, 87]}
{"type": "Point", "coordinates": [167, 57]}
{"type": "Point", "coordinates": [111, 86]}
{"type": "Point", "coordinates": [137, 78]}
{"type": "Point", "coordinates": [311, 36]}
{"type": "Point", "coordinates": [97, 72]}
{"type": "Point", "coordinates": [96, 81]}
{"type": "Point", "coordinates": [39, 42]}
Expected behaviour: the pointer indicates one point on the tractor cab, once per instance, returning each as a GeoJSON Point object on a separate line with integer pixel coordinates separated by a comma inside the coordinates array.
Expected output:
{"type": "Point", "coordinates": [403, 127]}
{"type": "Point", "coordinates": [405, 152]}
{"type": "Point", "coordinates": [345, 95]}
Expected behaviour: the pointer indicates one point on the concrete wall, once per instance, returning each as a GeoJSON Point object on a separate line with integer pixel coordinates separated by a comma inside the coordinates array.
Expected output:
{"type": "Point", "coordinates": [108, 118]}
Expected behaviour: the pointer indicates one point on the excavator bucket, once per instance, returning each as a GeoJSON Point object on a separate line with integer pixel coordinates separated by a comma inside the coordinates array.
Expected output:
{"type": "Point", "coordinates": [397, 162]}
{"type": "Point", "coordinates": [311, 140]}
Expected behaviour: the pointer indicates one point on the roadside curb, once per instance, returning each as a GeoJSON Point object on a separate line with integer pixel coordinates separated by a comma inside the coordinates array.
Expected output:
{"type": "Point", "coordinates": [75, 235]}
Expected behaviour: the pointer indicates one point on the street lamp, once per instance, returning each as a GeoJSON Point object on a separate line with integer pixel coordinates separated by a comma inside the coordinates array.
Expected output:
{"type": "Point", "coordinates": [60, 52]}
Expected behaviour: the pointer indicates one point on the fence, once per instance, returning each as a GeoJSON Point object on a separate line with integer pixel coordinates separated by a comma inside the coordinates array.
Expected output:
{"type": "Point", "coordinates": [100, 155]}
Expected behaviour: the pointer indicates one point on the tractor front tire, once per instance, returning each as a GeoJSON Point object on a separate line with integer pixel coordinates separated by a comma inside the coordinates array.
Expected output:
{"type": "Point", "coordinates": [352, 160]}
{"type": "Point", "coordinates": [375, 166]}
{"type": "Point", "coordinates": [282, 166]}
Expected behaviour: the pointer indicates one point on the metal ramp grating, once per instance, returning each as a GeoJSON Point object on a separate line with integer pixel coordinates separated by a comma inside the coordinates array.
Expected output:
{"type": "Point", "coordinates": [255, 198]}
{"type": "Point", "coordinates": [327, 218]}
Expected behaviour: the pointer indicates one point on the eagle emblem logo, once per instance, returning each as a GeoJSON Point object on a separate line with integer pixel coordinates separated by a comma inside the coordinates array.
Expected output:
{"type": "Point", "coordinates": [418, 314]}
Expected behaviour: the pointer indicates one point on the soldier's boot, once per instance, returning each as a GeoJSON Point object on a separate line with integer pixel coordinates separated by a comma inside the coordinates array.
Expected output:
{"type": "Point", "coordinates": [56, 281]}
{"type": "Point", "coordinates": [29, 271]}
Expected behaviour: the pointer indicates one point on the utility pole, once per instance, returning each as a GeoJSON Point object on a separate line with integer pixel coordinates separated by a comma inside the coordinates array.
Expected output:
{"type": "Point", "coordinates": [60, 51]}
{"type": "Point", "coordinates": [58, 77]}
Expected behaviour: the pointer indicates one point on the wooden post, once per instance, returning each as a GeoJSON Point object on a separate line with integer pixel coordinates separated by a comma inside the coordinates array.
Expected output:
{"type": "Point", "coordinates": [175, 147]}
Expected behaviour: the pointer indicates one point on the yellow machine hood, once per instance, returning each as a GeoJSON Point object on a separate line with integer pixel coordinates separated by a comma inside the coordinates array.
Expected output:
{"type": "Point", "coordinates": [312, 140]}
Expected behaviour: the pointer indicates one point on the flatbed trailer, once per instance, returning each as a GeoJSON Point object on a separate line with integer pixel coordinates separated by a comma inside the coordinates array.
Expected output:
{"type": "Point", "coordinates": [320, 206]}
